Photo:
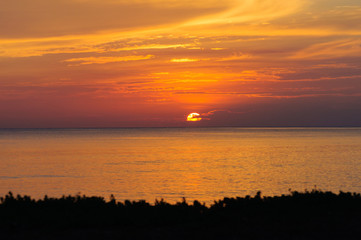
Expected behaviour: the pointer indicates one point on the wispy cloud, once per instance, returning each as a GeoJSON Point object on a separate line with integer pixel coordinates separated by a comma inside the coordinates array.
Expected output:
{"type": "Point", "coordinates": [250, 11]}
{"type": "Point", "coordinates": [104, 60]}
{"type": "Point", "coordinates": [332, 49]}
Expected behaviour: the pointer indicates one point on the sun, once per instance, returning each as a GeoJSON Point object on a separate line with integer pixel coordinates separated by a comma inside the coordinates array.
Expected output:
{"type": "Point", "coordinates": [194, 117]}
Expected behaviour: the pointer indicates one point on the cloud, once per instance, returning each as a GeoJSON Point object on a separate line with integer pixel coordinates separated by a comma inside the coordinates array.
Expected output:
{"type": "Point", "coordinates": [41, 18]}
{"type": "Point", "coordinates": [36, 28]}
{"type": "Point", "coordinates": [328, 17]}
{"type": "Point", "coordinates": [104, 60]}
{"type": "Point", "coordinates": [163, 3]}
{"type": "Point", "coordinates": [251, 11]}
{"type": "Point", "coordinates": [183, 60]}
{"type": "Point", "coordinates": [350, 47]}
{"type": "Point", "coordinates": [208, 115]}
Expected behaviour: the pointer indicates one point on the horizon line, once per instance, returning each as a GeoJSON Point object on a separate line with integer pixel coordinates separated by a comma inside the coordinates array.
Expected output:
{"type": "Point", "coordinates": [142, 127]}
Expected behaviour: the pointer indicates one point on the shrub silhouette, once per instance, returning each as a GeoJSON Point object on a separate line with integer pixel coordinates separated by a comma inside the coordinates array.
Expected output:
{"type": "Point", "coordinates": [309, 215]}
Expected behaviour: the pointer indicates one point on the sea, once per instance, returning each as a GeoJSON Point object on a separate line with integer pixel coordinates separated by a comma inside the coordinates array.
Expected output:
{"type": "Point", "coordinates": [206, 164]}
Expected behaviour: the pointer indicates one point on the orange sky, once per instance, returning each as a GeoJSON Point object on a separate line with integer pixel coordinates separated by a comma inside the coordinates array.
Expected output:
{"type": "Point", "coordinates": [118, 63]}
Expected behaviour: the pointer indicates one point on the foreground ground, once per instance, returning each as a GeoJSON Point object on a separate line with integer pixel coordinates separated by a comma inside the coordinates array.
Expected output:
{"type": "Point", "coordinates": [307, 215]}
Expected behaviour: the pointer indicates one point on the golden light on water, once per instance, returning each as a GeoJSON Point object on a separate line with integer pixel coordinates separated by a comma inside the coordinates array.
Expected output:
{"type": "Point", "coordinates": [196, 163]}
{"type": "Point", "coordinates": [194, 117]}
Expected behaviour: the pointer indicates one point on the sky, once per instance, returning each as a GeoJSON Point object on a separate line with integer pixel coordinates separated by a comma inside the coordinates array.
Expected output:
{"type": "Point", "coordinates": [150, 63]}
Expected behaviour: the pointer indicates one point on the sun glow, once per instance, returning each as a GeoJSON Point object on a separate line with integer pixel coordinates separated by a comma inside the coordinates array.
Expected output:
{"type": "Point", "coordinates": [183, 60]}
{"type": "Point", "coordinates": [194, 117]}
{"type": "Point", "coordinates": [147, 63]}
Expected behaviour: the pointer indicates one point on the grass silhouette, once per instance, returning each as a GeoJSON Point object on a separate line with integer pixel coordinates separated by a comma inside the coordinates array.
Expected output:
{"type": "Point", "coordinates": [312, 214]}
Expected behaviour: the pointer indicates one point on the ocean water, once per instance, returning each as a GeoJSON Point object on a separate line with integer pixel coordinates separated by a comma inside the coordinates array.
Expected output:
{"type": "Point", "coordinates": [171, 163]}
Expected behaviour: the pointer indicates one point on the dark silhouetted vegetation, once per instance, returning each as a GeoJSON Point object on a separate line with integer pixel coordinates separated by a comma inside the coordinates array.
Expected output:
{"type": "Point", "coordinates": [299, 215]}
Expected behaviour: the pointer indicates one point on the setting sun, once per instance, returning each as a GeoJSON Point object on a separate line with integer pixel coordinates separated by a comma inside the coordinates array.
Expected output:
{"type": "Point", "coordinates": [194, 117]}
